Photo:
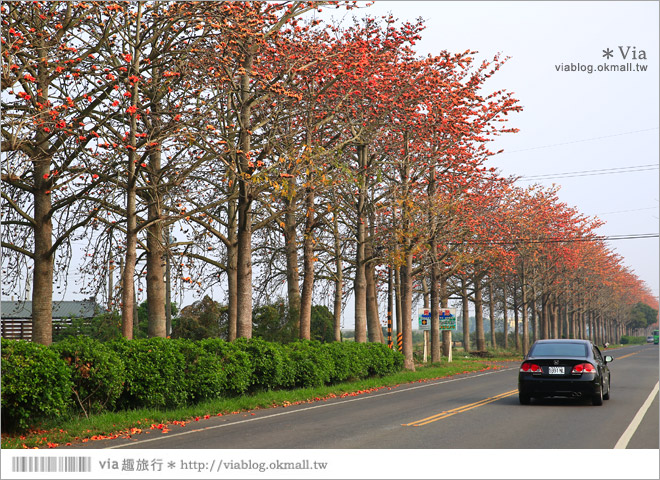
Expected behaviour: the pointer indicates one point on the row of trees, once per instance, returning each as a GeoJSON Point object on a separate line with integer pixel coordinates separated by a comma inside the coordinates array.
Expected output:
{"type": "Point", "coordinates": [253, 146]}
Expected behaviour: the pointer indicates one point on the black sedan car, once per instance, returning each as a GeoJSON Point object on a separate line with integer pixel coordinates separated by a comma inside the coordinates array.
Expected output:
{"type": "Point", "coordinates": [564, 368]}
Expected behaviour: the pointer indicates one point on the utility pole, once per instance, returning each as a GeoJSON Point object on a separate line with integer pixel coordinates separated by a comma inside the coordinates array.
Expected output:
{"type": "Point", "coordinates": [168, 293]}
{"type": "Point", "coordinates": [111, 267]}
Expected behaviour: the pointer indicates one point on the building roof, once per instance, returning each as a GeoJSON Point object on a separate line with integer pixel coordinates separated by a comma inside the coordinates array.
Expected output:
{"type": "Point", "coordinates": [62, 309]}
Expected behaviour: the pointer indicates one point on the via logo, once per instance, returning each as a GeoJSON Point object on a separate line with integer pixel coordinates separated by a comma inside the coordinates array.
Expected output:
{"type": "Point", "coordinates": [627, 53]}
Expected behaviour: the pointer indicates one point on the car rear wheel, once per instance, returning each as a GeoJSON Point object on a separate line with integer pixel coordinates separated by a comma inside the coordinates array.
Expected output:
{"type": "Point", "coordinates": [524, 399]}
{"type": "Point", "coordinates": [606, 396]}
{"type": "Point", "coordinates": [597, 399]}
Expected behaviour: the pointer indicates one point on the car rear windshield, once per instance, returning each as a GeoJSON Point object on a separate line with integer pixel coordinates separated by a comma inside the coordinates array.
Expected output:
{"type": "Point", "coordinates": [559, 350]}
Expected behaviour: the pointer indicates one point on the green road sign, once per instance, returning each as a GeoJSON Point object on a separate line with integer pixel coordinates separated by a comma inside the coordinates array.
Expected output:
{"type": "Point", "coordinates": [447, 318]}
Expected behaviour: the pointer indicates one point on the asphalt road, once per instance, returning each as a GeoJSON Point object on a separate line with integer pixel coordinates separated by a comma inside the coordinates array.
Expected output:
{"type": "Point", "coordinates": [471, 411]}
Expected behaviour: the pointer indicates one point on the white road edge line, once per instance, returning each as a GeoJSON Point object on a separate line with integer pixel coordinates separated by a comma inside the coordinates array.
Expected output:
{"type": "Point", "coordinates": [345, 400]}
{"type": "Point", "coordinates": [632, 428]}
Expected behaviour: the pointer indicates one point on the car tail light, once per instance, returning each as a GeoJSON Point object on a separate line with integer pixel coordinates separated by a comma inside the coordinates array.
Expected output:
{"type": "Point", "coordinates": [583, 368]}
{"type": "Point", "coordinates": [529, 367]}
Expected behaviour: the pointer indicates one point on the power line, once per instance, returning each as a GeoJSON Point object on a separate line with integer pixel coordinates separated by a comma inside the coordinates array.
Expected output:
{"type": "Point", "coordinates": [627, 211]}
{"type": "Point", "coordinates": [586, 173]}
{"type": "Point", "coordinates": [579, 141]}
{"type": "Point", "coordinates": [559, 240]}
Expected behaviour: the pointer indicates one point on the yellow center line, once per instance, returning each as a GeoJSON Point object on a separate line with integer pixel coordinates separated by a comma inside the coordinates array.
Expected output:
{"type": "Point", "coordinates": [626, 356]}
{"type": "Point", "coordinates": [454, 411]}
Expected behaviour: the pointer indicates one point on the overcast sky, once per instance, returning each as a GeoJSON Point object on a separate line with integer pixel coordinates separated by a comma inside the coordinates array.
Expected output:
{"type": "Point", "coordinates": [573, 121]}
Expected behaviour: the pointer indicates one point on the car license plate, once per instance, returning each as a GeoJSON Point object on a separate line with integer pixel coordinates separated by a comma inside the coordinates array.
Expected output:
{"type": "Point", "coordinates": [556, 370]}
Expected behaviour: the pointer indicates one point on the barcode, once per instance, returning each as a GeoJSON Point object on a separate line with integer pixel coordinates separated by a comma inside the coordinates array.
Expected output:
{"type": "Point", "coordinates": [51, 464]}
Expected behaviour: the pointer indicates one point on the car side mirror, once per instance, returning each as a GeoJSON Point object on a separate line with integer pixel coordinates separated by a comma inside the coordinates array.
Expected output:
{"type": "Point", "coordinates": [608, 358]}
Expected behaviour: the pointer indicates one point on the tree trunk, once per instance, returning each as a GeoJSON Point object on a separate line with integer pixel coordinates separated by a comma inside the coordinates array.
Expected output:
{"type": "Point", "coordinates": [574, 331]}
{"type": "Point", "coordinates": [545, 320]}
{"type": "Point", "coordinates": [505, 315]}
{"type": "Point", "coordinates": [406, 311]}
{"type": "Point", "coordinates": [444, 303]}
{"type": "Point", "coordinates": [291, 254]}
{"type": "Point", "coordinates": [232, 272]}
{"type": "Point", "coordinates": [130, 258]}
{"type": "Point", "coordinates": [374, 329]}
{"type": "Point", "coordinates": [42, 286]}
{"type": "Point", "coordinates": [466, 315]}
{"type": "Point", "coordinates": [245, 198]}
{"type": "Point", "coordinates": [339, 280]}
{"type": "Point", "coordinates": [533, 315]}
{"type": "Point", "coordinates": [308, 266]}
{"type": "Point", "coordinates": [525, 321]}
{"type": "Point", "coordinates": [128, 285]}
{"type": "Point", "coordinates": [479, 315]}
{"type": "Point", "coordinates": [244, 266]}
{"type": "Point", "coordinates": [156, 326]}
{"type": "Point", "coordinates": [360, 282]}
{"type": "Point", "coordinates": [491, 292]}
{"type": "Point", "coordinates": [435, 303]}
{"type": "Point", "coordinates": [516, 318]}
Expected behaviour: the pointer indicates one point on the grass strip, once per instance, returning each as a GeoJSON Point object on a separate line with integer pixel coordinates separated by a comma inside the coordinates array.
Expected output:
{"type": "Point", "coordinates": [72, 430]}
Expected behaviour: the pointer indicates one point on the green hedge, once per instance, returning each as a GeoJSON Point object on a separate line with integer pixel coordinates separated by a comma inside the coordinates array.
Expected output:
{"type": "Point", "coordinates": [311, 363]}
{"type": "Point", "coordinates": [155, 373]}
{"type": "Point", "coordinates": [97, 372]}
{"type": "Point", "coordinates": [85, 376]}
{"type": "Point", "coordinates": [235, 365]}
{"type": "Point", "coordinates": [630, 340]}
{"type": "Point", "coordinates": [36, 382]}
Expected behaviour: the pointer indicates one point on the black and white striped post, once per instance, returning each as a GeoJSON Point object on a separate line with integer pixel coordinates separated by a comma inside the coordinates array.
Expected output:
{"type": "Point", "coordinates": [390, 301]}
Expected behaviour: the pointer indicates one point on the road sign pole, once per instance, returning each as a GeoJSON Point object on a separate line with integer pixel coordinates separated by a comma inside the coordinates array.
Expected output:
{"type": "Point", "coordinates": [447, 319]}
{"type": "Point", "coordinates": [451, 347]}
{"type": "Point", "coordinates": [426, 341]}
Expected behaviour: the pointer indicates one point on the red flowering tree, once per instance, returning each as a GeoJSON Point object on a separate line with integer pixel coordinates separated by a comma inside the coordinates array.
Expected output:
{"type": "Point", "coordinates": [51, 89]}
